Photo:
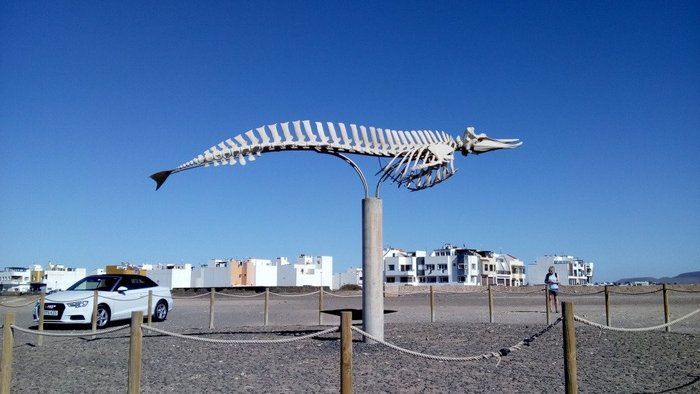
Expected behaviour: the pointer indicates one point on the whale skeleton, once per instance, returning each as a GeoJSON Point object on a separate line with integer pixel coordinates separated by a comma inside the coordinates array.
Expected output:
{"type": "Point", "coordinates": [419, 158]}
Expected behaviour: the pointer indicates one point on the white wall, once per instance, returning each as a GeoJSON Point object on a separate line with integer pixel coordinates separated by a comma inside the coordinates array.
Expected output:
{"type": "Point", "coordinates": [61, 280]}
{"type": "Point", "coordinates": [172, 276]}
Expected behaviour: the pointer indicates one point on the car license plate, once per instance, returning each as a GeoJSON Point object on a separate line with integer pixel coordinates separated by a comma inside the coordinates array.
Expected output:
{"type": "Point", "coordinates": [50, 313]}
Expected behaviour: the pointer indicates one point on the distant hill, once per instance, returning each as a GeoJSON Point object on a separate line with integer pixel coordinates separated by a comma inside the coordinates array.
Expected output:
{"type": "Point", "coordinates": [686, 278]}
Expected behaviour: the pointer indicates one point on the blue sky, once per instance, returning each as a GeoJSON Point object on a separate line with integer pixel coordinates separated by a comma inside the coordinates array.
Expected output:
{"type": "Point", "coordinates": [96, 96]}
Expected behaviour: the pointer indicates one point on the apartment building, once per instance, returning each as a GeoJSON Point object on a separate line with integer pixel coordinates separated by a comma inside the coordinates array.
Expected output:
{"type": "Point", "coordinates": [307, 271]}
{"type": "Point", "coordinates": [454, 265]}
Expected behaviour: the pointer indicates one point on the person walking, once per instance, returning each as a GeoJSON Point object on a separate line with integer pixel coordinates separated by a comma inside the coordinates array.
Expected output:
{"type": "Point", "coordinates": [552, 282]}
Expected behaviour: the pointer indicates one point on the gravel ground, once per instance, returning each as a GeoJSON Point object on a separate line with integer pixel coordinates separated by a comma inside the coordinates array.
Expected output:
{"type": "Point", "coordinates": [608, 361]}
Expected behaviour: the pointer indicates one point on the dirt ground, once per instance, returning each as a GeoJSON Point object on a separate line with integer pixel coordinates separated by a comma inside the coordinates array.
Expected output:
{"type": "Point", "coordinates": [607, 361]}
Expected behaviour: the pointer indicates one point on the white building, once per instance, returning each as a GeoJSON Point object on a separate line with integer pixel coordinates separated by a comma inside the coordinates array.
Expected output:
{"type": "Point", "coordinates": [307, 271]}
{"type": "Point", "coordinates": [217, 273]}
{"type": "Point", "coordinates": [453, 265]}
{"type": "Point", "coordinates": [15, 279]}
{"type": "Point", "coordinates": [265, 272]}
{"type": "Point", "coordinates": [571, 270]}
{"type": "Point", "coordinates": [171, 275]}
{"type": "Point", "coordinates": [351, 276]}
{"type": "Point", "coordinates": [401, 266]}
{"type": "Point", "coordinates": [58, 277]}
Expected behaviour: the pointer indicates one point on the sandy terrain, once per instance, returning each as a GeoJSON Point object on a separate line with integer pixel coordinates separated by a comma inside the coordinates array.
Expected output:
{"type": "Point", "coordinates": [608, 361]}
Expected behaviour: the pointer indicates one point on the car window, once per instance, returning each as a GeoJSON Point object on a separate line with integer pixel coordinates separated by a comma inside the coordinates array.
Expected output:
{"type": "Point", "coordinates": [137, 282]}
{"type": "Point", "coordinates": [102, 283]}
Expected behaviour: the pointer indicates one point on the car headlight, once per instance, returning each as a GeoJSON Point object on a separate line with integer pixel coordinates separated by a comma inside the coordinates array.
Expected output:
{"type": "Point", "coordinates": [77, 304]}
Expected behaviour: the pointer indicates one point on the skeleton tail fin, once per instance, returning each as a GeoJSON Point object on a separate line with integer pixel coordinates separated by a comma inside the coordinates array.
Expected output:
{"type": "Point", "coordinates": [160, 177]}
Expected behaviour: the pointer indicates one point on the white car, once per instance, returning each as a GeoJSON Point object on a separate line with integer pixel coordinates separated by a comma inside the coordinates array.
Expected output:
{"type": "Point", "coordinates": [117, 296]}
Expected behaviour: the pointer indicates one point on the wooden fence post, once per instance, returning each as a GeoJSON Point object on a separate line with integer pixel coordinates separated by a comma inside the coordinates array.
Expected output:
{"type": "Point", "coordinates": [432, 304]}
{"type": "Point", "coordinates": [7, 345]}
{"type": "Point", "coordinates": [94, 312]}
{"type": "Point", "coordinates": [570, 380]}
{"type": "Point", "coordinates": [267, 305]}
{"type": "Point", "coordinates": [667, 309]}
{"type": "Point", "coordinates": [345, 352]}
{"type": "Point", "coordinates": [150, 308]}
{"type": "Point", "coordinates": [212, 297]}
{"type": "Point", "coordinates": [490, 305]}
{"type": "Point", "coordinates": [320, 305]}
{"type": "Point", "coordinates": [607, 306]}
{"type": "Point", "coordinates": [135, 353]}
{"type": "Point", "coordinates": [42, 303]}
{"type": "Point", "coordinates": [546, 304]}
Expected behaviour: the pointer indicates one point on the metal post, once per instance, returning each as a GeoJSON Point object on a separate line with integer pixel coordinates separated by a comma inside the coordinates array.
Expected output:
{"type": "Point", "coordinates": [546, 303]}
{"type": "Point", "coordinates": [345, 352]}
{"type": "Point", "coordinates": [490, 305]}
{"type": "Point", "coordinates": [607, 306]}
{"type": "Point", "coordinates": [212, 297]}
{"type": "Point", "coordinates": [372, 269]}
{"type": "Point", "coordinates": [267, 306]}
{"type": "Point", "coordinates": [432, 304]}
{"type": "Point", "coordinates": [42, 303]}
{"type": "Point", "coordinates": [667, 309]}
{"type": "Point", "coordinates": [135, 353]}
{"type": "Point", "coordinates": [7, 346]}
{"type": "Point", "coordinates": [570, 380]}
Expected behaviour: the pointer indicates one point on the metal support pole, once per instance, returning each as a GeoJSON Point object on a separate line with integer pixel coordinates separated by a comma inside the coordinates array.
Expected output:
{"type": "Point", "coordinates": [432, 304]}
{"type": "Point", "coordinates": [607, 306]}
{"type": "Point", "coordinates": [212, 297]}
{"type": "Point", "coordinates": [345, 352]}
{"type": "Point", "coordinates": [667, 309]}
{"type": "Point", "coordinates": [570, 379]}
{"type": "Point", "coordinates": [8, 340]}
{"type": "Point", "coordinates": [135, 350]}
{"type": "Point", "coordinates": [372, 269]}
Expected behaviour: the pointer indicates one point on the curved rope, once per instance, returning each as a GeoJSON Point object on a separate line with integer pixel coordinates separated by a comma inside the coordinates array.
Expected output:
{"type": "Point", "coordinates": [19, 305]}
{"type": "Point", "coordinates": [195, 296]}
{"type": "Point", "coordinates": [342, 296]}
{"type": "Point", "coordinates": [65, 334]}
{"type": "Point", "coordinates": [683, 291]}
{"type": "Point", "coordinates": [604, 327]}
{"type": "Point", "coordinates": [499, 354]}
{"type": "Point", "coordinates": [240, 295]}
{"type": "Point", "coordinates": [295, 295]}
{"type": "Point", "coordinates": [240, 341]}
{"type": "Point", "coordinates": [640, 293]}
{"type": "Point", "coordinates": [582, 294]}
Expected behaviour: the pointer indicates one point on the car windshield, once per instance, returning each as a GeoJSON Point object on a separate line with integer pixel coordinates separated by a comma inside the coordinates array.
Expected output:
{"type": "Point", "coordinates": [102, 283]}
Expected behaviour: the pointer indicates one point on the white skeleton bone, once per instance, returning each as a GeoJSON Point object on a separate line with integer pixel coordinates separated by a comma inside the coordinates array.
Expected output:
{"type": "Point", "coordinates": [419, 158]}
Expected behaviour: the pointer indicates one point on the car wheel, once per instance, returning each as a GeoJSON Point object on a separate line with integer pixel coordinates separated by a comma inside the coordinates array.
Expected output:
{"type": "Point", "coordinates": [102, 316]}
{"type": "Point", "coordinates": [161, 311]}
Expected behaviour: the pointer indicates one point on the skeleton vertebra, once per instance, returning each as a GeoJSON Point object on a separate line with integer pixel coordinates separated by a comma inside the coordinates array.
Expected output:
{"type": "Point", "coordinates": [420, 158]}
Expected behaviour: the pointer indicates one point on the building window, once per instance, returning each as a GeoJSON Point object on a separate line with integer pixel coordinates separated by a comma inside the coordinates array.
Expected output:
{"type": "Point", "coordinates": [391, 267]}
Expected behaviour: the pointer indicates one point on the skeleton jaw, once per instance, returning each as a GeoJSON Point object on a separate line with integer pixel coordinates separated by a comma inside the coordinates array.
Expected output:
{"type": "Point", "coordinates": [480, 143]}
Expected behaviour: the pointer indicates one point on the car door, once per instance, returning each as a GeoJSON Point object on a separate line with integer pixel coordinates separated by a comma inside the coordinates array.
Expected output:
{"type": "Point", "coordinates": [134, 298]}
